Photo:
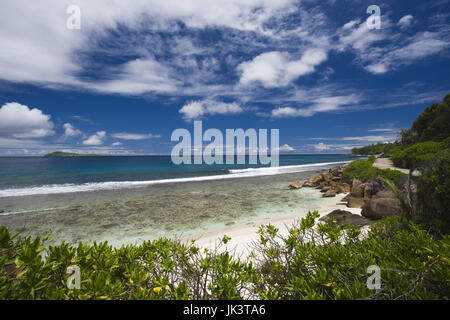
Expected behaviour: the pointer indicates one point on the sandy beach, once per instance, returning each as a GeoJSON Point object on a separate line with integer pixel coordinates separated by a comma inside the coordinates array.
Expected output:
{"type": "Point", "coordinates": [242, 237]}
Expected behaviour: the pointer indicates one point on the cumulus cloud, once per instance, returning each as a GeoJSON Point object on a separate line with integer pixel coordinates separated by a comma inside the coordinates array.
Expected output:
{"type": "Point", "coordinates": [276, 69]}
{"type": "Point", "coordinates": [286, 148]}
{"type": "Point", "coordinates": [96, 139]}
{"type": "Point", "coordinates": [197, 109]}
{"type": "Point", "coordinates": [19, 121]}
{"type": "Point", "coordinates": [71, 131]}
{"type": "Point", "coordinates": [134, 136]}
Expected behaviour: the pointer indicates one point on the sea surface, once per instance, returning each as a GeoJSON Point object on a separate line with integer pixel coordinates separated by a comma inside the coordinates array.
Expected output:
{"type": "Point", "coordinates": [132, 199]}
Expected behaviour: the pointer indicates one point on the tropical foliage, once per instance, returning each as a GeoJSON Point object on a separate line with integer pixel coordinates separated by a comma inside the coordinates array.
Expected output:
{"type": "Point", "coordinates": [433, 193]}
{"type": "Point", "coordinates": [313, 261]}
{"type": "Point", "coordinates": [365, 171]}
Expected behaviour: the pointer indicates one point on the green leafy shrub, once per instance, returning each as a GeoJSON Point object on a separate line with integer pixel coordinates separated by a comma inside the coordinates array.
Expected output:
{"type": "Point", "coordinates": [160, 269]}
{"type": "Point", "coordinates": [365, 171]}
{"type": "Point", "coordinates": [417, 155]}
{"type": "Point", "coordinates": [395, 176]}
{"type": "Point", "coordinates": [360, 169]}
{"type": "Point", "coordinates": [433, 193]}
{"type": "Point", "coordinates": [313, 261]}
{"type": "Point", "coordinates": [328, 262]}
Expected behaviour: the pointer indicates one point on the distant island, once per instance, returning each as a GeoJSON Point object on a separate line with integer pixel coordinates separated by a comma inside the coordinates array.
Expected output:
{"type": "Point", "coordinates": [70, 154]}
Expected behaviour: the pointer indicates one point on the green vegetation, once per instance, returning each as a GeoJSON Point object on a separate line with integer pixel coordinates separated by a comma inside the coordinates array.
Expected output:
{"type": "Point", "coordinates": [360, 169]}
{"type": "Point", "coordinates": [365, 171]}
{"type": "Point", "coordinates": [68, 154]}
{"type": "Point", "coordinates": [426, 147]}
{"type": "Point", "coordinates": [417, 155]}
{"type": "Point", "coordinates": [433, 193]}
{"type": "Point", "coordinates": [315, 261]}
{"type": "Point", "coordinates": [430, 125]}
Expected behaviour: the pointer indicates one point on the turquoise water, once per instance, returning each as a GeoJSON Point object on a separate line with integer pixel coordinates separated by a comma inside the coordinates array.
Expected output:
{"type": "Point", "coordinates": [24, 175]}
{"type": "Point", "coordinates": [131, 199]}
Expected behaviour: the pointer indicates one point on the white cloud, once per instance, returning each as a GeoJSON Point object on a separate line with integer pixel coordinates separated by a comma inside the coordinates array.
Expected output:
{"type": "Point", "coordinates": [419, 46]}
{"type": "Point", "coordinates": [197, 109]}
{"type": "Point", "coordinates": [350, 24]}
{"type": "Point", "coordinates": [405, 21]}
{"type": "Point", "coordinates": [28, 56]}
{"type": "Point", "coordinates": [386, 138]}
{"type": "Point", "coordinates": [134, 136]}
{"type": "Point", "coordinates": [96, 139]}
{"type": "Point", "coordinates": [389, 137]}
{"type": "Point", "coordinates": [71, 131]}
{"type": "Point", "coordinates": [396, 49]}
{"type": "Point", "coordinates": [330, 147]}
{"type": "Point", "coordinates": [382, 130]}
{"type": "Point", "coordinates": [116, 144]}
{"type": "Point", "coordinates": [377, 68]}
{"type": "Point", "coordinates": [358, 37]}
{"type": "Point", "coordinates": [321, 146]}
{"type": "Point", "coordinates": [286, 148]}
{"type": "Point", "coordinates": [139, 76]}
{"type": "Point", "coordinates": [19, 121]}
{"type": "Point", "coordinates": [51, 60]}
{"type": "Point", "coordinates": [286, 112]}
{"type": "Point", "coordinates": [323, 104]}
{"type": "Point", "coordinates": [276, 69]}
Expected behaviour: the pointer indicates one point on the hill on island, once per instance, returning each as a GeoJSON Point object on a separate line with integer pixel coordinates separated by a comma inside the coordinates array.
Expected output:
{"type": "Point", "coordinates": [70, 154]}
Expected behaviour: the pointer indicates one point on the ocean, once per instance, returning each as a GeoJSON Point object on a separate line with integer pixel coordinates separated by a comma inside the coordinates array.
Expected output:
{"type": "Point", "coordinates": [136, 198]}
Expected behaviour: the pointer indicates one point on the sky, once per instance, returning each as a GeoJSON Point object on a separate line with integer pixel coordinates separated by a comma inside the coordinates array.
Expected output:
{"type": "Point", "coordinates": [131, 72]}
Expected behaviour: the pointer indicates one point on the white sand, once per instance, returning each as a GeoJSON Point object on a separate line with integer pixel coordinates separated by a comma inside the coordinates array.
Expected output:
{"type": "Point", "coordinates": [242, 237]}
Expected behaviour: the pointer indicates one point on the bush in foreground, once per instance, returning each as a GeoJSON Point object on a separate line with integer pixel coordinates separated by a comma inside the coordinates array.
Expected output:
{"type": "Point", "coordinates": [315, 261]}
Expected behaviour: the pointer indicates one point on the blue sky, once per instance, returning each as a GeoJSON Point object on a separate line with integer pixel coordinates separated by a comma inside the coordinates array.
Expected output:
{"type": "Point", "coordinates": [137, 70]}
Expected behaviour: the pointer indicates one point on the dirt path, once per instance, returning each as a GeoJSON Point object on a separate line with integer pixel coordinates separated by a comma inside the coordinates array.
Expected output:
{"type": "Point", "coordinates": [386, 163]}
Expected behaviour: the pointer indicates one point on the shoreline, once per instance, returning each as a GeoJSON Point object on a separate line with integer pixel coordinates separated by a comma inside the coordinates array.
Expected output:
{"type": "Point", "coordinates": [69, 188]}
{"type": "Point", "coordinates": [201, 211]}
{"type": "Point", "coordinates": [242, 237]}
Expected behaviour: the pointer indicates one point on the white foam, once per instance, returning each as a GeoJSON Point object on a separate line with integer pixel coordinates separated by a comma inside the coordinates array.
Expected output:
{"type": "Point", "coordinates": [94, 186]}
